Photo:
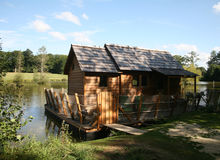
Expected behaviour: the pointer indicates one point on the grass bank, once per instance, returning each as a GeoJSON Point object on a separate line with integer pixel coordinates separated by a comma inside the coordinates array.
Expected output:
{"type": "Point", "coordinates": [30, 77]}
{"type": "Point", "coordinates": [155, 144]}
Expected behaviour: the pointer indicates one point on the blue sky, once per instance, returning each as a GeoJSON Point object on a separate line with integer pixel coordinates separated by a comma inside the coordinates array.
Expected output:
{"type": "Point", "coordinates": [178, 26]}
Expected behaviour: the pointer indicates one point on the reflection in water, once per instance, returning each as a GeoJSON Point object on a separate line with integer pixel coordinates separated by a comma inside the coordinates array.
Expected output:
{"type": "Point", "coordinates": [33, 100]}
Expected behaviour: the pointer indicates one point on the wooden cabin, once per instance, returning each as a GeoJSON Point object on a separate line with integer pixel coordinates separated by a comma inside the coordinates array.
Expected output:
{"type": "Point", "coordinates": [122, 70]}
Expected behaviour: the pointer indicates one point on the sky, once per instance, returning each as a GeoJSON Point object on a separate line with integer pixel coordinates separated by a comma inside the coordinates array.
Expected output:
{"type": "Point", "coordinates": [177, 26]}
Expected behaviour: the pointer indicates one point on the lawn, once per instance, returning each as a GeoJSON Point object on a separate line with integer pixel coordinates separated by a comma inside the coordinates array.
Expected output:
{"type": "Point", "coordinates": [28, 77]}
{"type": "Point", "coordinates": [162, 141]}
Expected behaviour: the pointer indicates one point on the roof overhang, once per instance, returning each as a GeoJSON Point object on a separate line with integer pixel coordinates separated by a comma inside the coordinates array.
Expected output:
{"type": "Point", "coordinates": [175, 72]}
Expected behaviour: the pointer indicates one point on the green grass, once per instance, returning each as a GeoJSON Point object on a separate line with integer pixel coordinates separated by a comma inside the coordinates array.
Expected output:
{"type": "Point", "coordinates": [28, 77]}
{"type": "Point", "coordinates": [52, 149]}
{"type": "Point", "coordinates": [152, 145]}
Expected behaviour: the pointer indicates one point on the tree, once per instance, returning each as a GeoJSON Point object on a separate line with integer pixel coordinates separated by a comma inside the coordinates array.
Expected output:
{"type": "Point", "coordinates": [19, 63]}
{"type": "Point", "coordinates": [191, 58]}
{"type": "Point", "coordinates": [213, 71]}
{"type": "Point", "coordinates": [56, 63]}
{"type": "Point", "coordinates": [180, 59]}
{"type": "Point", "coordinates": [43, 58]}
{"type": "Point", "coordinates": [30, 61]}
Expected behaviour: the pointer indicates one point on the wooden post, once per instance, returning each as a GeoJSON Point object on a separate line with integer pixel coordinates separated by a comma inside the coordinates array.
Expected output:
{"type": "Point", "coordinates": [63, 104]}
{"type": "Point", "coordinates": [52, 99]}
{"type": "Point", "coordinates": [117, 107]}
{"type": "Point", "coordinates": [68, 104]}
{"type": "Point", "coordinates": [47, 101]}
{"type": "Point", "coordinates": [157, 106]}
{"type": "Point", "coordinates": [139, 108]}
{"type": "Point", "coordinates": [79, 108]}
{"type": "Point", "coordinates": [195, 85]}
{"type": "Point", "coordinates": [120, 84]}
{"type": "Point", "coordinates": [58, 104]}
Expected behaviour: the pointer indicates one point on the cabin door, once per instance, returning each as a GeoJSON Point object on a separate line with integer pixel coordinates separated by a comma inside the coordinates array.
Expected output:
{"type": "Point", "coordinates": [107, 102]}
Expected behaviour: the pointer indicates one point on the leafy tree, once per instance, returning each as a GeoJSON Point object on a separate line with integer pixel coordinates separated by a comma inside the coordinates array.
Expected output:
{"type": "Point", "coordinates": [213, 71]}
{"type": "Point", "coordinates": [180, 59]}
{"type": "Point", "coordinates": [191, 58]}
{"type": "Point", "coordinates": [43, 58]}
{"type": "Point", "coordinates": [30, 61]}
{"type": "Point", "coordinates": [56, 63]}
{"type": "Point", "coordinates": [19, 63]}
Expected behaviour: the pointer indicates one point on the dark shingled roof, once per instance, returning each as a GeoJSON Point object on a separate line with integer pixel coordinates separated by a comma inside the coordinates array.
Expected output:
{"type": "Point", "coordinates": [175, 72]}
{"type": "Point", "coordinates": [92, 59]}
{"type": "Point", "coordinates": [136, 59]}
{"type": "Point", "coordinates": [115, 58]}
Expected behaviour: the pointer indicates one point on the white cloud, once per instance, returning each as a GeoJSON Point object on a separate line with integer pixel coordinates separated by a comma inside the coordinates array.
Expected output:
{"type": "Point", "coordinates": [216, 49]}
{"type": "Point", "coordinates": [40, 26]}
{"type": "Point", "coordinates": [216, 7]}
{"type": "Point", "coordinates": [68, 16]}
{"type": "Point", "coordinates": [82, 37]}
{"type": "Point", "coordinates": [3, 21]}
{"type": "Point", "coordinates": [85, 16]}
{"type": "Point", "coordinates": [181, 47]}
{"type": "Point", "coordinates": [58, 35]}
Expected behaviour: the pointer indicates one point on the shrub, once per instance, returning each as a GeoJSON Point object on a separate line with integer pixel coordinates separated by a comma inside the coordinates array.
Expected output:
{"type": "Point", "coordinates": [10, 118]}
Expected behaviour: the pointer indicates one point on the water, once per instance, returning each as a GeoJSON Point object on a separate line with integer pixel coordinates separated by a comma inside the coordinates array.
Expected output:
{"type": "Point", "coordinates": [33, 103]}
{"type": "Point", "coordinates": [34, 100]}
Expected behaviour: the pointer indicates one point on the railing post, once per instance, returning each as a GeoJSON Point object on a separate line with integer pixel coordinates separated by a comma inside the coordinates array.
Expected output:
{"type": "Point", "coordinates": [79, 108]}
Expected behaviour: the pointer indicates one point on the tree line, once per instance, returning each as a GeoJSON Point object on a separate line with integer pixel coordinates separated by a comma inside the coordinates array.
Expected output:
{"type": "Point", "coordinates": [26, 61]}
{"type": "Point", "coordinates": [189, 62]}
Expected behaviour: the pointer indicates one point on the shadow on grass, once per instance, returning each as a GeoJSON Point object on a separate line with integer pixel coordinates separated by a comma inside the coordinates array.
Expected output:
{"type": "Point", "coordinates": [152, 145]}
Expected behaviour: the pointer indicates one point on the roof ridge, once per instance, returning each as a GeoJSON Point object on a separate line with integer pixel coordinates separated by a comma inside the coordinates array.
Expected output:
{"type": "Point", "coordinates": [83, 46]}
{"type": "Point", "coordinates": [141, 48]}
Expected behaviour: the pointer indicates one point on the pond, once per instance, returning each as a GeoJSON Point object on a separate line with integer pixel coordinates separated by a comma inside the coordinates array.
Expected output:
{"type": "Point", "coordinates": [34, 100]}
{"type": "Point", "coordinates": [33, 103]}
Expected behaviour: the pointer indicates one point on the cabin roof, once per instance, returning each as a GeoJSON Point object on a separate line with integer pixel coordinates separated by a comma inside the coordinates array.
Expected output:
{"type": "Point", "coordinates": [175, 72]}
{"type": "Point", "coordinates": [137, 59]}
{"type": "Point", "coordinates": [94, 59]}
{"type": "Point", "coordinates": [114, 59]}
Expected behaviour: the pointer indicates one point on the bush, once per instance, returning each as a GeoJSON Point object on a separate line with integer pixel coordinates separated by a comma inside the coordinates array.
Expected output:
{"type": "Point", "coordinates": [10, 118]}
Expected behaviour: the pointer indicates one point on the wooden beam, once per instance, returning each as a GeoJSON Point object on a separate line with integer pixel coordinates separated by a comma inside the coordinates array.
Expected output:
{"type": "Point", "coordinates": [157, 106]}
{"type": "Point", "coordinates": [63, 104]}
{"type": "Point", "coordinates": [52, 98]}
{"type": "Point", "coordinates": [128, 117]}
{"type": "Point", "coordinates": [117, 107]}
{"type": "Point", "coordinates": [79, 108]}
{"type": "Point", "coordinates": [194, 85]}
{"type": "Point", "coordinates": [120, 84]}
{"type": "Point", "coordinates": [57, 101]}
{"type": "Point", "coordinates": [139, 108]}
{"type": "Point", "coordinates": [68, 104]}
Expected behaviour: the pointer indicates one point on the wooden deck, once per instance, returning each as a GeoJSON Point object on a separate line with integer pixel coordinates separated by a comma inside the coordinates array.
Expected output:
{"type": "Point", "coordinates": [71, 122]}
{"type": "Point", "coordinates": [126, 129]}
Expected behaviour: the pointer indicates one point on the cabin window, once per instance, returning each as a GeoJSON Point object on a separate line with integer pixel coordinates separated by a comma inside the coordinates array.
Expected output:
{"type": "Point", "coordinates": [135, 81]}
{"type": "Point", "coordinates": [103, 81]}
{"type": "Point", "coordinates": [144, 80]}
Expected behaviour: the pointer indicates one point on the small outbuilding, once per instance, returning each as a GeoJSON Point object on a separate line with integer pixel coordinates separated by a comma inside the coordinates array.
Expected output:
{"type": "Point", "coordinates": [122, 70]}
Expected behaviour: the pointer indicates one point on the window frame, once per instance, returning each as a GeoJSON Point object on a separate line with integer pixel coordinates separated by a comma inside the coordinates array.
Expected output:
{"type": "Point", "coordinates": [103, 81]}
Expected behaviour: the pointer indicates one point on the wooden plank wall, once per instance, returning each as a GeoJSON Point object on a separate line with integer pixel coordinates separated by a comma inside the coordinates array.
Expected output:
{"type": "Point", "coordinates": [75, 80]}
{"type": "Point", "coordinates": [91, 88]}
{"type": "Point", "coordinates": [107, 102]}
